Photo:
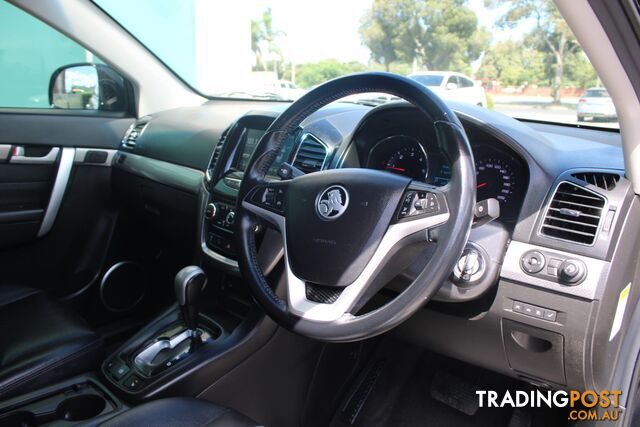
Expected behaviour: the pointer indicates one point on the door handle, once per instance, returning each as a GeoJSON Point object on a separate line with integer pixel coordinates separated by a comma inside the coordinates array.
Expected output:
{"type": "Point", "coordinates": [17, 156]}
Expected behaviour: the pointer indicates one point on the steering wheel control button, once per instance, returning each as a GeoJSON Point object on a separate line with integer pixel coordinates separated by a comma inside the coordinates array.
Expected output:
{"type": "Point", "coordinates": [534, 311]}
{"type": "Point", "coordinates": [571, 272]}
{"type": "Point", "coordinates": [417, 203]}
{"type": "Point", "coordinates": [532, 262]}
{"type": "Point", "coordinates": [271, 198]}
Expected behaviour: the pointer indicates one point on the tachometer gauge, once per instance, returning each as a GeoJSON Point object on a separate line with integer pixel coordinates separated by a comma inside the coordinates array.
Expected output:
{"type": "Point", "coordinates": [408, 161]}
{"type": "Point", "coordinates": [494, 179]}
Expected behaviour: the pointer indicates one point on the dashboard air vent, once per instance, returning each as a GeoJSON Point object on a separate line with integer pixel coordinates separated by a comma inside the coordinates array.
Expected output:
{"type": "Point", "coordinates": [573, 214]}
{"type": "Point", "coordinates": [209, 175]}
{"type": "Point", "coordinates": [606, 181]}
{"type": "Point", "coordinates": [135, 130]}
{"type": "Point", "coordinates": [218, 149]}
{"type": "Point", "coordinates": [311, 155]}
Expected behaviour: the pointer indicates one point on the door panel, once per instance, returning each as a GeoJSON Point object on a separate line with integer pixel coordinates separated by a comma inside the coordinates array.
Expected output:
{"type": "Point", "coordinates": [56, 207]}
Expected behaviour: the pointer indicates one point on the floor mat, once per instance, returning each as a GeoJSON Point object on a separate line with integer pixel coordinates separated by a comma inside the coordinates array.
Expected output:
{"type": "Point", "coordinates": [418, 388]}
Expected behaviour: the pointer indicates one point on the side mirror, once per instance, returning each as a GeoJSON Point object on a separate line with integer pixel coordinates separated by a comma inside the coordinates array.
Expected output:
{"type": "Point", "coordinates": [88, 87]}
{"type": "Point", "coordinates": [451, 86]}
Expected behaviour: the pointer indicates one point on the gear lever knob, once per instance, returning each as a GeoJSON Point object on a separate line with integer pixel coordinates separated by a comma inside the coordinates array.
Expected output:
{"type": "Point", "coordinates": [188, 284]}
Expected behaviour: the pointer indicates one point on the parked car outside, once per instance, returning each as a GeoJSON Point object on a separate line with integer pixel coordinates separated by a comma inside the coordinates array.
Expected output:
{"type": "Point", "coordinates": [452, 86]}
{"type": "Point", "coordinates": [596, 104]}
{"type": "Point", "coordinates": [285, 90]}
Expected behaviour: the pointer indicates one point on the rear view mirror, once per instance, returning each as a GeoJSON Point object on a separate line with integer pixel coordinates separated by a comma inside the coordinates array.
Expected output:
{"type": "Point", "coordinates": [88, 87]}
{"type": "Point", "coordinates": [451, 86]}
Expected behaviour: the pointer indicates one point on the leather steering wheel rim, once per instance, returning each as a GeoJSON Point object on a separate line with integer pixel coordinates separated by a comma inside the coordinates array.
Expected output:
{"type": "Point", "coordinates": [459, 195]}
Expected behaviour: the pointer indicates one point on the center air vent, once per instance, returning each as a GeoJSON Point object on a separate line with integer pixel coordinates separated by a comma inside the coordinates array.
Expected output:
{"type": "Point", "coordinates": [311, 155]}
{"type": "Point", "coordinates": [606, 181]}
{"type": "Point", "coordinates": [135, 130]}
{"type": "Point", "coordinates": [573, 214]}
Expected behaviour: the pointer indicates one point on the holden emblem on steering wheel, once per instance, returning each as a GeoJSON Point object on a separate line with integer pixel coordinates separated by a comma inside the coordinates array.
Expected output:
{"type": "Point", "coordinates": [332, 202]}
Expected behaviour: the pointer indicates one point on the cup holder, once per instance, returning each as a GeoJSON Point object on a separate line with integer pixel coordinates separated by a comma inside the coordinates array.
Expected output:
{"type": "Point", "coordinates": [79, 408]}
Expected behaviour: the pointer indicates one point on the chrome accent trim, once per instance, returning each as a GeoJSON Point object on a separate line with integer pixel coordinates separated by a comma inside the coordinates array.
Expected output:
{"type": "Point", "coordinates": [106, 276]}
{"type": "Point", "coordinates": [147, 356]}
{"type": "Point", "coordinates": [5, 150]}
{"type": "Point", "coordinates": [81, 153]}
{"type": "Point", "coordinates": [59, 188]}
{"type": "Point", "coordinates": [50, 158]}
{"type": "Point", "coordinates": [177, 176]}
{"type": "Point", "coordinates": [604, 210]}
{"type": "Point", "coordinates": [590, 288]}
{"type": "Point", "coordinates": [296, 287]}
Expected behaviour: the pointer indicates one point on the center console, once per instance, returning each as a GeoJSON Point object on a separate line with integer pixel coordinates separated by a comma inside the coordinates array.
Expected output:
{"type": "Point", "coordinates": [175, 340]}
{"type": "Point", "coordinates": [224, 175]}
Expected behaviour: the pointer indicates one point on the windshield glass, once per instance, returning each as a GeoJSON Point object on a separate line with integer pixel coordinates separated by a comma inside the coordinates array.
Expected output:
{"type": "Point", "coordinates": [428, 80]}
{"type": "Point", "coordinates": [518, 57]}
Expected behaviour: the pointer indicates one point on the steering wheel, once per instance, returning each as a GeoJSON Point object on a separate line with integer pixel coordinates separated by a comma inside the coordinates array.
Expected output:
{"type": "Point", "coordinates": [341, 227]}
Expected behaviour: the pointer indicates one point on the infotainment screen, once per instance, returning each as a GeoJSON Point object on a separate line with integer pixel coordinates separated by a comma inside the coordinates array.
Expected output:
{"type": "Point", "coordinates": [250, 140]}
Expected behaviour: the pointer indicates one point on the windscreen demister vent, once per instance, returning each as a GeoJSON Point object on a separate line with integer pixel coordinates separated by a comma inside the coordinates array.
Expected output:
{"type": "Point", "coordinates": [574, 214]}
{"type": "Point", "coordinates": [311, 155]}
{"type": "Point", "coordinates": [604, 180]}
{"type": "Point", "coordinates": [135, 130]}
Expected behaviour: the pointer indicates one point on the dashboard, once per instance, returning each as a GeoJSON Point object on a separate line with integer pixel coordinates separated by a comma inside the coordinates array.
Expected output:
{"type": "Point", "coordinates": [187, 166]}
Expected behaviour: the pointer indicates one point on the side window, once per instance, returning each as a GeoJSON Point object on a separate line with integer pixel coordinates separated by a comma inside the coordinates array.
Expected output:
{"type": "Point", "coordinates": [464, 82]}
{"type": "Point", "coordinates": [30, 53]}
{"type": "Point", "coordinates": [453, 79]}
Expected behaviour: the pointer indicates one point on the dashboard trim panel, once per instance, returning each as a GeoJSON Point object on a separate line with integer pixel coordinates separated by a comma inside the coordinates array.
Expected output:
{"type": "Point", "coordinates": [177, 176]}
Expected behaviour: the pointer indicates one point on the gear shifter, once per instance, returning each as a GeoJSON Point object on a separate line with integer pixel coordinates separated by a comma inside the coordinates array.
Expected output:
{"type": "Point", "coordinates": [188, 284]}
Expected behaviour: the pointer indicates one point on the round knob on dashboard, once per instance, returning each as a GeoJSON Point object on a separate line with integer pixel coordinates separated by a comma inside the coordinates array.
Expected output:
{"type": "Point", "coordinates": [572, 271]}
{"type": "Point", "coordinates": [533, 262]}
{"type": "Point", "coordinates": [211, 211]}
{"type": "Point", "coordinates": [231, 217]}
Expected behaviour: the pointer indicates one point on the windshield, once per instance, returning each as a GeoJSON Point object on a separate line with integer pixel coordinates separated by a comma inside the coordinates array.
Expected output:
{"type": "Point", "coordinates": [515, 56]}
{"type": "Point", "coordinates": [428, 80]}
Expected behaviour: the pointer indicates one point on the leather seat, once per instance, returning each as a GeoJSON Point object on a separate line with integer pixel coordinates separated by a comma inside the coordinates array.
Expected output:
{"type": "Point", "coordinates": [41, 342]}
{"type": "Point", "coordinates": [178, 411]}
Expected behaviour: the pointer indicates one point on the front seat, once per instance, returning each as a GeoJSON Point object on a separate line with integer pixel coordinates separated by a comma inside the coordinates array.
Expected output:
{"type": "Point", "coordinates": [179, 411]}
{"type": "Point", "coordinates": [41, 342]}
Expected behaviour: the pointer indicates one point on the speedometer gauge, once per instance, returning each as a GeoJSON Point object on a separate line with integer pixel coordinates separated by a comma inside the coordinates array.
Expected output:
{"type": "Point", "coordinates": [494, 179]}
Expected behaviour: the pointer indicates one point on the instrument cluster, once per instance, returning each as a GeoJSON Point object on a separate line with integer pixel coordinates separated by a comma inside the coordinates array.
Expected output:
{"type": "Point", "coordinates": [499, 173]}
